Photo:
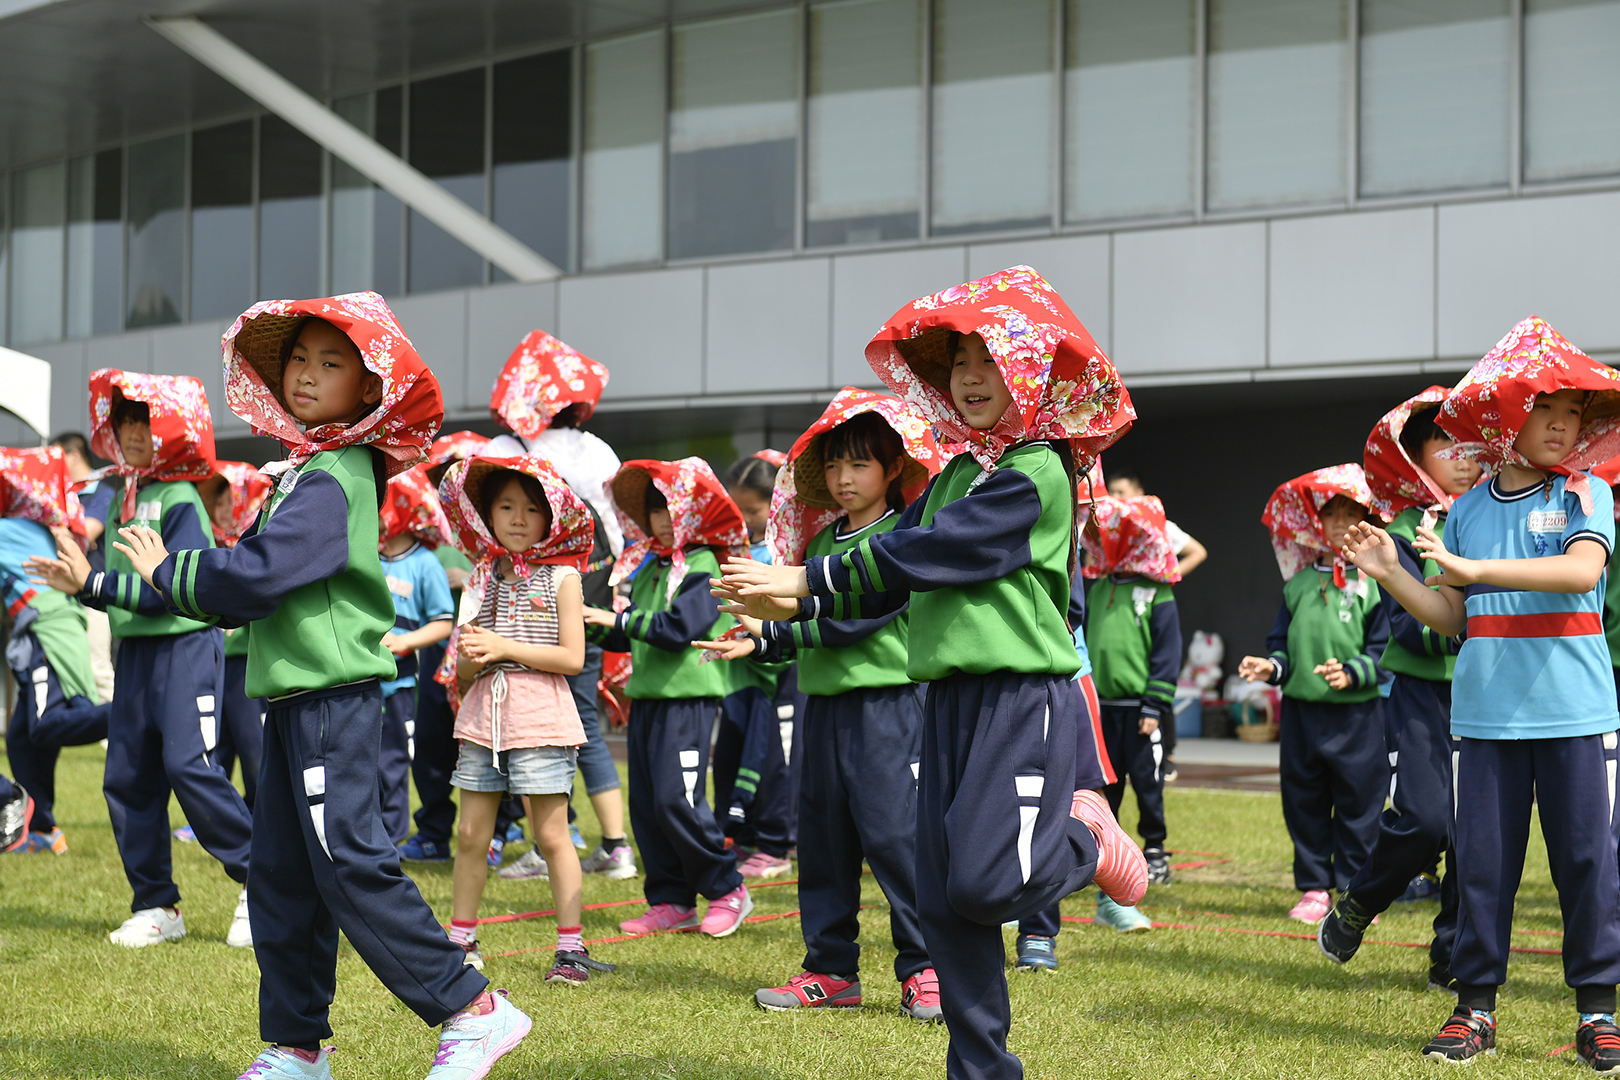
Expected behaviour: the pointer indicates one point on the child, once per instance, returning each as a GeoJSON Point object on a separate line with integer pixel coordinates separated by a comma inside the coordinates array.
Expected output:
{"type": "Point", "coordinates": [986, 557]}
{"type": "Point", "coordinates": [1322, 652]}
{"type": "Point", "coordinates": [544, 394]}
{"type": "Point", "coordinates": [1533, 700]}
{"type": "Point", "coordinates": [755, 784]}
{"type": "Point", "coordinates": [48, 653]}
{"type": "Point", "coordinates": [234, 497]}
{"type": "Point", "coordinates": [847, 478]}
{"type": "Point", "coordinates": [1411, 485]}
{"type": "Point", "coordinates": [337, 381]}
{"type": "Point", "coordinates": [521, 631]}
{"type": "Point", "coordinates": [164, 722]}
{"type": "Point", "coordinates": [1133, 636]}
{"type": "Point", "coordinates": [410, 527]}
{"type": "Point", "coordinates": [677, 512]}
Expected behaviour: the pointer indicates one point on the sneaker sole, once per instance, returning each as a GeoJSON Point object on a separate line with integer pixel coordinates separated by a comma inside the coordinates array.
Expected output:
{"type": "Point", "coordinates": [747, 909]}
{"type": "Point", "coordinates": [1615, 1070]}
{"type": "Point", "coordinates": [1435, 1055]}
{"type": "Point", "coordinates": [1323, 949]}
{"type": "Point", "coordinates": [1050, 969]}
{"type": "Point", "coordinates": [798, 1006]}
{"type": "Point", "coordinates": [161, 940]}
{"type": "Point", "coordinates": [690, 923]}
{"type": "Point", "coordinates": [618, 873]}
{"type": "Point", "coordinates": [936, 1016]}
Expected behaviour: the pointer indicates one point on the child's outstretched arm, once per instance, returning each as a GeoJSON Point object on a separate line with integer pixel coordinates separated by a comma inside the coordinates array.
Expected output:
{"type": "Point", "coordinates": [1577, 570]}
{"type": "Point", "coordinates": [567, 657]}
{"type": "Point", "coordinates": [1406, 630]}
{"type": "Point", "coordinates": [691, 613]}
{"type": "Point", "coordinates": [1373, 552]}
{"type": "Point", "coordinates": [1273, 667]}
{"type": "Point", "coordinates": [182, 528]}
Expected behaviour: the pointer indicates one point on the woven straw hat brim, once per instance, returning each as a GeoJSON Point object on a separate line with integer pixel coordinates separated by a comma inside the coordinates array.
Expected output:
{"type": "Point", "coordinates": [810, 476]}
{"type": "Point", "coordinates": [927, 356]}
{"type": "Point", "coordinates": [261, 342]}
{"type": "Point", "coordinates": [1602, 405]}
{"type": "Point", "coordinates": [630, 496]}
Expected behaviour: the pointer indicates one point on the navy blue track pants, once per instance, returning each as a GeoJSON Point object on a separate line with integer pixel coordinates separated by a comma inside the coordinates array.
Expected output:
{"type": "Point", "coordinates": [858, 800]}
{"type": "Point", "coordinates": [43, 720]}
{"type": "Point", "coordinates": [995, 842]}
{"type": "Point", "coordinates": [322, 862]}
{"type": "Point", "coordinates": [755, 778]}
{"type": "Point", "coordinates": [163, 727]}
{"type": "Point", "coordinates": [1139, 758]}
{"type": "Point", "coordinates": [241, 735]}
{"type": "Point", "coordinates": [394, 761]}
{"type": "Point", "coordinates": [1334, 776]}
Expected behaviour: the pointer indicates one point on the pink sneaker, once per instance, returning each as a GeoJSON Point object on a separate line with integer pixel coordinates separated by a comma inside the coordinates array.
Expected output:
{"type": "Point", "coordinates": [1313, 906]}
{"type": "Point", "coordinates": [727, 913]}
{"type": "Point", "coordinates": [661, 917]}
{"type": "Point", "coordinates": [1122, 871]}
{"type": "Point", "coordinates": [764, 865]}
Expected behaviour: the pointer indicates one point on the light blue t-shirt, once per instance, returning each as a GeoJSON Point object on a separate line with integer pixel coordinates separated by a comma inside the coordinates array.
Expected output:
{"type": "Point", "coordinates": [1536, 664]}
{"type": "Point", "coordinates": [20, 539]}
{"type": "Point", "coordinates": [421, 591]}
{"type": "Point", "coordinates": [760, 552]}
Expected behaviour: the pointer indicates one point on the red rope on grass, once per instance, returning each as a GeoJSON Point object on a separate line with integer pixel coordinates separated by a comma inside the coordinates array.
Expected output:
{"type": "Point", "coordinates": [685, 930]}
{"type": "Point", "coordinates": [1560, 1050]}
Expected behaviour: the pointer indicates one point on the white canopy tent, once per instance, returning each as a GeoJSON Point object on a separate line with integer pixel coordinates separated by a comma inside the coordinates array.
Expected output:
{"type": "Point", "coordinates": [25, 390]}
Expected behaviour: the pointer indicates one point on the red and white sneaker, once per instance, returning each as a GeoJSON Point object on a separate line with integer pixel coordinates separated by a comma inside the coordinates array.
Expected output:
{"type": "Point", "coordinates": [727, 912]}
{"type": "Point", "coordinates": [1122, 871]}
{"type": "Point", "coordinates": [762, 864]}
{"type": "Point", "coordinates": [808, 990]}
{"type": "Point", "coordinates": [919, 997]}
{"type": "Point", "coordinates": [661, 917]}
{"type": "Point", "coordinates": [1313, 906]}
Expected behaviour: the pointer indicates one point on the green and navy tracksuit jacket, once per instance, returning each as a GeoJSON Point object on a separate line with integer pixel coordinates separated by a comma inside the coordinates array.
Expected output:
{"type": "Point", "coordinates": [1133, 634]}
{"type": "Point", "coordinates": [1317, 622]}
{"type": "Point", "coordinates": [658, 631]}
{"type": "Point", "coordinates": [1414, 651]}
{"type": "Point", "coordinates": [174, 510]}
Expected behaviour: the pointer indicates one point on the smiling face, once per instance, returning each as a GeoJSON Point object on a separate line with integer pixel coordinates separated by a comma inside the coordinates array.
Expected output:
{"type": "Point", "coordinates": [325, 381]}
{"type": "Point", "coordinates": [1456, 476]}
{"type": "Point", "coordinates": [518, 521]}
{"type": "Point", "coordinates": [977, 388]}
{"type": "Point", "coordinates": [1549, 431]}
{"type": "Point", "coordinates": [1338, 514]}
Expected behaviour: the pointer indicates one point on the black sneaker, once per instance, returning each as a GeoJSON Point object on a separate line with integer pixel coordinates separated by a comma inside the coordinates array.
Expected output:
{"type": "Point", "coordinates": [1440, 979]}
{"type": "Point", "coordinates": [1598, 1044]}
{"type": "Point", "coordinates": [1158, 864]}
{"type": "Point", "coordinates": [1339, 934]}
{"type": "Point", "coordinates": [1464, 1037]}
{"type": "Point", "coordinates": [14, 818]}
{"type": "Point", "coordinates": [1035, 953]}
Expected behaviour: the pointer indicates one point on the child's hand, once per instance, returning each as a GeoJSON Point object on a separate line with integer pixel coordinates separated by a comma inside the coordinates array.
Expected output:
{"type": "Point", "coordinates": [1257, 668]}
{"type": "Point", "coordinates": [1372, 551]}
{"type": "Point", "coordinates": [482, 645]}
{"type": "Point", "coordinates": [756, 608]}
{"type": "Point", "coordinates": [595, 616]}
{"type": "Point", "coordinates": [747, 578]}
{"type": "Point", "coordinates": [394, 643]}
{"type": "Point", "coordinates": [1148, 724]}
{"type": "Point", "coordinates": [735, 649]}
{"type": "Point", "coordinates": [143, 548]}
{"type": "Point", "coordinates": [67, 572]}
{"type": "Point", "coordinates": [1454, 569]}
{"type": "Point", "coordinates": [1335, 674]}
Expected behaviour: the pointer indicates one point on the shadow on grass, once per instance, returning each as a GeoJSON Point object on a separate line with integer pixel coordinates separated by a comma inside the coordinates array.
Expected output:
{"type": "Point", "coordinates": [42, 918]}
{"type": "Point", "coordinates": [73, 1059]}
{"type": "Point", "coordinates": [676, 974]}
{"type": "Point", "coordinates": [649, 1067]}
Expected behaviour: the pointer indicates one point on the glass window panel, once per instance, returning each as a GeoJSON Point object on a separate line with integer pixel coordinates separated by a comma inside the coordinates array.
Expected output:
{"type": "Point", "coordinates": [1131, 86]}
{"type": "Point", "coordinates": [1571, 88]}
{"type": "Point", "coordinates": [5, 246]}
{"type": "Point", "coordinates": [38, 215]}
{"type": "Point", "coordinates": [222, 221]}
{"type": "Point", "coordinates": [531, 150]}
{"type": "Point", "coordinates": [289, 211]}
{"type": "Point", "coordinates": [367, 222]}
{"type": "Point", "coordinates": [1434, 94]}
{"type": "Point", "coordinates": [992, 115]}
{"type": "Point", "coordinates": [95, 244]}
{"type": "Point", "coordinates": [1279, 76]}
{"type": "Point", "coordinates": [733, 133]}
{"type": "Point", "coordinates": [447, 143]}
{"type": "Point", "coordinates": [157, 232]}
{"type": "Point", "coordinates": [622, 175]}
{"type": "Point", "coordinates": [864, 120]}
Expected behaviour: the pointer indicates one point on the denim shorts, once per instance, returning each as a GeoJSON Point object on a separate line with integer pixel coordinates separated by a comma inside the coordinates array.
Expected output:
{"type": "Point", "coordinates": [527, 770]}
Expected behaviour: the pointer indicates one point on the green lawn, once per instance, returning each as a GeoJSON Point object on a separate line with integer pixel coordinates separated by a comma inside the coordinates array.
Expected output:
{"type": "Point", "coordinates": [1176, 1002]}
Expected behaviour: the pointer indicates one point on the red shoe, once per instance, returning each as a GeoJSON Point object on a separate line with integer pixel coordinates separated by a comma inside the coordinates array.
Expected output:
{"type": "Point", "coordinates": [727, 912]}
{"type": "Point", "coordinates": [807, 990]}
{"type": "Point", "coordinates": [1122, 871]}
{"type": "Point", "coordinates": [919, 997]}
{"type": "Point", "coordinates": [661, 917]}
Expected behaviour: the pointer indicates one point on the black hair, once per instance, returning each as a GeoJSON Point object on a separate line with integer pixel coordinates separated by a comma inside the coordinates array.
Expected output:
{"type": "Point", "coordinates": [752, 474]}
{"type": "Point", "coordinates": [1130, 476]}
{"type": "Point", "coordinates": [72, 442]}
{"type": "Point", "coordinates": [1420, 428]}
{"type": "Point", "coordinates": [570, 417]}
{"type": "Point", "coordinates": [869, 436]}
{"type": "Point", "coordinates": [125, 411]}
{"type": "Point", "coordinates": [655, 498]}
{"type": "Point", "coordinates": [495, 482]}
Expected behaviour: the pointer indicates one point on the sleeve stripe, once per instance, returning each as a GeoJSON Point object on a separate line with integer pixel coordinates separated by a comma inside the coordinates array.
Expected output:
{"type": "Point", "coordinates": [1588, 534]}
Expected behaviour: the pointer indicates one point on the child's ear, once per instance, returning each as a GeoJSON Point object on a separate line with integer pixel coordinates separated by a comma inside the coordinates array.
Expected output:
{"type": "Point", "coordinates": [371, 388]}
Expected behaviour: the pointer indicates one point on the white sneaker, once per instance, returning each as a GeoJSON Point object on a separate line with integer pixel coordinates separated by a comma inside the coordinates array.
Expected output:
{"type": "Point", "coordinates": [151, 926]}
{"type": "Point", "coordinates": [241, 935]}
{"type": "Point", "coordinates": [531, 865]}
{"type": "Point", "coordinates": [616, 865]}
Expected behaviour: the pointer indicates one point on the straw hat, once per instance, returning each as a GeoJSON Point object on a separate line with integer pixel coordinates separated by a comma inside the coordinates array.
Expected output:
{"type": "Point", "coordinates": [929, 356]}
{"type": "Point", "coordinates": [810, 474]}
{"type": "Point", "coordinates": [630, 495]}
{"type": "Point", "coordinates": [263, 342]}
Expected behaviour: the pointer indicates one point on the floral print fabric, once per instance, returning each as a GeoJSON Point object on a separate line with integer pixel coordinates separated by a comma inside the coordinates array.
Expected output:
{"type": "Point", "coordinates": [249, 488]}
{"type": "Point", "coordinates": [1487, 409]}
{"type": "Point", "coordinates": [1130, 538]}
{"type": "Point", "coordinates": [1292, 516]}
{"type": "Point", "coordinates": [35, 486]}
{"type": "Point", "coordinates": [455, 446]}
{"type": "Point", "coordinates": [1062, 385]}
{"type": "Point", "coordinates": [700, 511]}
{"type": "Point", "coordinates": [402, 424]}
{"type": "Point", "coordinates": [542, 377]}
{"type": "Point", "coordinates": [1396, 482]}
{"type": "Point", "coordinates": [411, 505]}
{"type": "Point", "coordinates": [182, 427]}
{"type": "Point", "coordinates": [801, 505]}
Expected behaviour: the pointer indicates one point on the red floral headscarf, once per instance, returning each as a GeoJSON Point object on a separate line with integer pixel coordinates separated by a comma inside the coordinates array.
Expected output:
{"type": "Point", "coordinates": [699, 509]}
{"type": "Point", "coordinates": [455, 446]}
{"type": "Point", "coordinates": [801, 505]}
{"type": "Point", "coordinates": [1486, 411]}
{"type": "Point", "coordinates": [182, 427]}
{"type": "Point", "coordinates": [411, 505]}
{"type": "Point", "coordinates": [249, 488]}
{"type": "Point", "coordinates": [772, 457]}
{"type": "Point", "coordinates": [1062, 385]}
{"type": "Point", "coordinates": [1398, 483]}
{"type": "Point", "coordinates": [1130, 539]}
{"type": "Point", "coordinates": [401, 425]}
{"type": "Point", "coordinates": [34, 485]}
{"type": "Point", "coordinates": [541, 378]}
{"type": "Point", "coordinates": [1293, 517]}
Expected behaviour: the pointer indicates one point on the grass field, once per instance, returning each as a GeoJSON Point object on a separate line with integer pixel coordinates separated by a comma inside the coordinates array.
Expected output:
{"type": "Point", "coordinates": [1177, 1002]}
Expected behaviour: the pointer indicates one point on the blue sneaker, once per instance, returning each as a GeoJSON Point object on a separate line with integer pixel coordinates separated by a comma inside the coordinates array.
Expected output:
{"type": "Point", "coordinates": [185, 834]}
{"type": "Point", "coordinates": [1422, 887]}
{"type": "Point", "coordinates": [1036, 953]}
{"type": "Point", "coordinates": [277, 1064]}
{"type": "Point", "coordinates": [497, 851]}
{"type": "Point", "coordinates": [469, 1045]}
{"type": "Point", "coordinates": [417, 849]}
{"type": "Point", "coordinates": [579, 840]}
{"type": "Point", "coordinates": [1127, 920]}
{"type": "Point", "coordinates": [514, 832]}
